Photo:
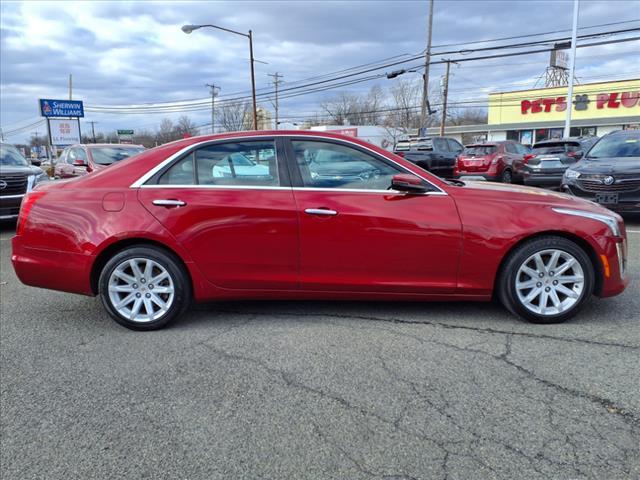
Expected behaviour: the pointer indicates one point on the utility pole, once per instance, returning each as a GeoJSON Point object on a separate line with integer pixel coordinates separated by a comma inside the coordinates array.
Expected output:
{"type": "Point", "coordinates": [253, 82]}
{"type": "Point", "coordinates": [214, 93]}
{"type": "Point", "coordinates": [426, 109]}
{"type": "Point", "coordinates": [276, 82]}
{"type": "Point", "coordinates": [445, 93]}
{"type": "Point", "coordinates": [572, 66]}
{"type": "Point", "coordinates": [93, 130]}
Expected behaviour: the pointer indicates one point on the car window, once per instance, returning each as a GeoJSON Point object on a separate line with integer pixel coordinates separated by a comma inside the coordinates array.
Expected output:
{"type": "Point", "coordinates": [522, 149]}
{"type": "Point", "coordinates": [477, 150]}
{"type": "Point", "coordinates": [454, 146]}
{"type": "Point", "coordinates": [71, 156]}
{"type": "Point", "coordinates": [234, 163]}
{"type": "Point", "coordinates": [616, 146]}
{"type": "Point", "coordinates": [573, 147]}
{"type": "Point", "coordinates": [440, 144]}
{"type": "Point", "coordinates": [510, 148]}
{"type": "Point", "coordinates": [10, 156]}
{"type": "Point", "coordinates": [329, 165]}
{"type": "Point", "coordinates": [109, 155]}
{"type": "Point", "coordinates": [549, 147]}
{"type": "Point", "coordinates": [81, 154]}
{"type": "Point", "coordinates": [180, 173]}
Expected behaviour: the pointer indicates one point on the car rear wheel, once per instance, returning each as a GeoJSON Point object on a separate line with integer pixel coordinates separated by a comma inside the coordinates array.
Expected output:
{"type": "Point", "coordinates": [507, 177]}
{"type": "Point", "coordinates": [546, 280]}
{"type": "Point", "coordinates": [144, 288]}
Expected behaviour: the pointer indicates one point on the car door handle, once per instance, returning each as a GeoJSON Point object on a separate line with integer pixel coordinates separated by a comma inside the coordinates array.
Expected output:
{"type": "Point", "coordinates": [320, 211]}
{"type": "Point", "coordinates": [169, 203]}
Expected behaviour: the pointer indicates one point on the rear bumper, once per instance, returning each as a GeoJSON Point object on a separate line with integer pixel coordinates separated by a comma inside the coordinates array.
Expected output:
{"type": "Point", "coordinates": [64, 271]}
{"type": "Point", "coordinates": [10, 206]}
{"type": "Point", "coordinates": [541, 179]}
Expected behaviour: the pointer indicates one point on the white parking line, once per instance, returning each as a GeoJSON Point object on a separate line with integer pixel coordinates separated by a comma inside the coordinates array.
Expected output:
{"type": "Point", "coordinates": [633, 231]}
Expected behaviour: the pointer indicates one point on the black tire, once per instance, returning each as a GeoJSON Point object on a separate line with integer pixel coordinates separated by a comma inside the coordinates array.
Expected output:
{"type": "Point", "coordinates": [506, 282]}
{"type": "Point", "coordinates": [507, 176]}
{"type": "Point", "coordinates": [181, 283]}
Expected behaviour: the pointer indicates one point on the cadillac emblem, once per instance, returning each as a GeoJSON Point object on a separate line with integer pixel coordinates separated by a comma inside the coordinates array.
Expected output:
{"type": "Point", "coordinates": [3, 184]}
{"type": "Point", "coordinates": [608, 180]}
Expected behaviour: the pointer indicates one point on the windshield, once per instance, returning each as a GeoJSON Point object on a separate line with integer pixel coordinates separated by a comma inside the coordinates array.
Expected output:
{"type": "Point", "coordinates": [617, 146]}
{"type": "Point", "coordinates": [549, 148]}
{"type": "Point", "coordinates": [10, 156]}
{"type": "Point", "coordinates": [107, 155]}
{"type": "Point", "coordinates": [480, 150]}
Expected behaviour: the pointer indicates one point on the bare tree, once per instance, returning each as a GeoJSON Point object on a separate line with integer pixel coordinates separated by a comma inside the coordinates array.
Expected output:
{"type": "Point", "coordinates": [405, 99]}
{"type": "Point", "coordinates": [185, 127]}
{"type": "Point", "coordinates": [233, 117]}
{"type": "Point", "coordinates": [166, 131]}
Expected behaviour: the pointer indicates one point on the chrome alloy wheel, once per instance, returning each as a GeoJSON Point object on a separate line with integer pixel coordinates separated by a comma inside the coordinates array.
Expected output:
{"type": "Point", "coordinates": [550, 282]}
{"type": "Point", "coordinates": [141, 290]}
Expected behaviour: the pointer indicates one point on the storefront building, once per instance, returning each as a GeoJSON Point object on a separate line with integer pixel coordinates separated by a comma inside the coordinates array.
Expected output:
{"type": "Point", "coordinates": [529, 116]}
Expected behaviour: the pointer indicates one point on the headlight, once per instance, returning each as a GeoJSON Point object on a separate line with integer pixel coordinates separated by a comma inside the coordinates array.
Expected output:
{"type": "Point", "coordinates": [610, 221]}
{"type": "Point", "coordinates": [33, 180]}
{"type": "Point", "coordinates": [571, 174]}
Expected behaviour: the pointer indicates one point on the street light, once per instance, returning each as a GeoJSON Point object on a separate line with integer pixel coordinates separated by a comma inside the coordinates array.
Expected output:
{"type": "Point", "coordinates": [190, 28]}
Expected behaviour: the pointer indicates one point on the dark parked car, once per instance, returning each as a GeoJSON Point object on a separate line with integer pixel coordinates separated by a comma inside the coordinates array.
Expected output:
{"type": "Point", "coordinates": [79, 160]}
{"type": "Point", "coordinates": [610, 173]}
{"type": "Point", "coordinates": [490, 161]}
{"type": "Point", "coordinates": [548, 160]}
{"type": "Point", "coordinates": [17, 177]}
{"type": "Point", "coordinates": [437, 155]}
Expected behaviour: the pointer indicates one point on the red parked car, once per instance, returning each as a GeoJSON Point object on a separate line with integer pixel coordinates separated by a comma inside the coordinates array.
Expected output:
{"type": "Point", "coordinates": [312, 216]}
{"type": "Point", "coordinates": [78, 160]}
{"type": "Point", "coordinates": [490, 161]}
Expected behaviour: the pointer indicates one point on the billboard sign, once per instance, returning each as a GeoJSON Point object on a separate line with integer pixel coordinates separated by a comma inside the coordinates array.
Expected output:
{"type": "Point", "coordinates": [559, 59]}
{"type": "Point", "coordinates": [64, 132]}
{"type": "Point", "coordinates": [125, 136]}
{"type": "Point", "coordinates": [61, 108]}
{"type": "Point", "coordinates": [349, 132]}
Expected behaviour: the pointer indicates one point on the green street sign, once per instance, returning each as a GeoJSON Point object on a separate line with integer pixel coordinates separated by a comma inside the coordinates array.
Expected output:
{"type": "Point", "coordinates": [125, 132]}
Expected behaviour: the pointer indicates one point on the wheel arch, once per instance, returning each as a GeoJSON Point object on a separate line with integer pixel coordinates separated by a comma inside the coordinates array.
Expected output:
{"type": "Point", "coordinates": [109, 251]}
{"type": "Point", "coordinates": [581, 242]}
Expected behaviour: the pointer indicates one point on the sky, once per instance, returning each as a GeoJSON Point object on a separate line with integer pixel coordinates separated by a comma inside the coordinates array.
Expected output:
{"type": "Point", "coordinates": [133, 53]}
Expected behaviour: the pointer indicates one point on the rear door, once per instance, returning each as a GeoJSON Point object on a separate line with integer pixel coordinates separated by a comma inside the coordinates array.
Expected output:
{"type": "Point", "coordinates": [356, 235]}
{"type": "Point", "coordinates": [231, 206]}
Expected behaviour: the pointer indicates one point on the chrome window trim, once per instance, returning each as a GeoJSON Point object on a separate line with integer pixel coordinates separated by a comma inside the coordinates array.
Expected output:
{"type": "Point", "coordinates": [296, 189]}
{"type": "Point", "coordinates": [12, 196]}
{"type": "Point", "coordinates": [144, 178]}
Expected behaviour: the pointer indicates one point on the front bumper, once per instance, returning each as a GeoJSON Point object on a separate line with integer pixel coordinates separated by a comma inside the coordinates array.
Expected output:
{"type": "Point", "coordinates": [539, 179]}
{"type": "Point", "coordinates": [628, 202]}
{"type": "Point", "coordinates": [10, 206]}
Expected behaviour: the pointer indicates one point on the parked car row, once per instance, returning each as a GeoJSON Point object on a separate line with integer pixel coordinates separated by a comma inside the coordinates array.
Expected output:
{"type": "Point", "coordinates": [17, 178]}
{"type": "Point", "coordinates": [78, 160]}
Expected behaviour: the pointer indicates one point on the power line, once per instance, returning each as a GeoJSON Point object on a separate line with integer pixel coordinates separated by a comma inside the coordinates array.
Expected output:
{"type": "Point", "coordinates": [195, 102]}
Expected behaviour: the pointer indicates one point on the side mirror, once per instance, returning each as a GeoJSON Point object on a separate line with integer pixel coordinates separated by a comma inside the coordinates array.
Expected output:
{"type": "Point", "coordinates": [36, 162]}
{"type": "Point", "coordinates": [79, 163]}
{"type": "Point", "coordinates": [408, 183]}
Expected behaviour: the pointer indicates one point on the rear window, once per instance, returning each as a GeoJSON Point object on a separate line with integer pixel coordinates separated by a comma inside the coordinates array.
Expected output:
{"type": "Point", "coordinates": [558, 147]}
{"type": "Point", "coordinates": [480, 150]}
{"type": "Point", "coordinates": [108, 155]}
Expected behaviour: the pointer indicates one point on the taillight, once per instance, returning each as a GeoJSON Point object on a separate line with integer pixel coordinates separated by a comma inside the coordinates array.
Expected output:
{"type": "Point", "coordinates": [528, 157]}
{"type": "Point", "coordinates": [27, 204]}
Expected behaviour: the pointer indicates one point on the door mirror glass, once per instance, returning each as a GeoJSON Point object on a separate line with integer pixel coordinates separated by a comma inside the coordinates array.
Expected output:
{"type": "Point", "coordinates": [408, 183]}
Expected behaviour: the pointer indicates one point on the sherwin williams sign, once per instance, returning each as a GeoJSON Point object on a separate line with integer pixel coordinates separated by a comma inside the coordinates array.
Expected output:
{"type": "Point", "coordinates": [590, 101]}
{"type": "Point", "coordinates": [61, 108]}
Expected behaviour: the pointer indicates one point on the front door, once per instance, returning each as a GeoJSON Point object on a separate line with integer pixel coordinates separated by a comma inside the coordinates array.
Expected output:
{"type": "Point", "coordinates": [356, 235]}
{"type": "Point", "coordinates": [230, 205]}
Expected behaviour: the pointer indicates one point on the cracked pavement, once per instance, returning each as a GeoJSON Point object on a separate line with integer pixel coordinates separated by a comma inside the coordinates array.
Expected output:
{"type": "Point", "coordinates": [318, 390]}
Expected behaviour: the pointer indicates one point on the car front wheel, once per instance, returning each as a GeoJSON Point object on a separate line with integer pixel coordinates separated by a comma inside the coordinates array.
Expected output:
{"type": "Point", "coordinates": [144, 288]}
{"type": "Point", "coordinates": [546, 280]}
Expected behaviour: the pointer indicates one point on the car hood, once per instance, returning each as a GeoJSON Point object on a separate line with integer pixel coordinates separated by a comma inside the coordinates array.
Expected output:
{"type": "Point", "coordinates": [28, 170]}
{"type": "Point", "coordinates": [518, 193]}
{"type": "Point", "coordinates": [608, 165]}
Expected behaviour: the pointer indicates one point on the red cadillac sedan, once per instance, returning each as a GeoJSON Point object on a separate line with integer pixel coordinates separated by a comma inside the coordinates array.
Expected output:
{"type": "Point", "coordinates": [309, 215]}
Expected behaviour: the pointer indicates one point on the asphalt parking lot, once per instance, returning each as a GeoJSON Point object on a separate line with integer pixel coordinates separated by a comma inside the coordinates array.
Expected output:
{"type": "Point", "coordinates": [318, 390]}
